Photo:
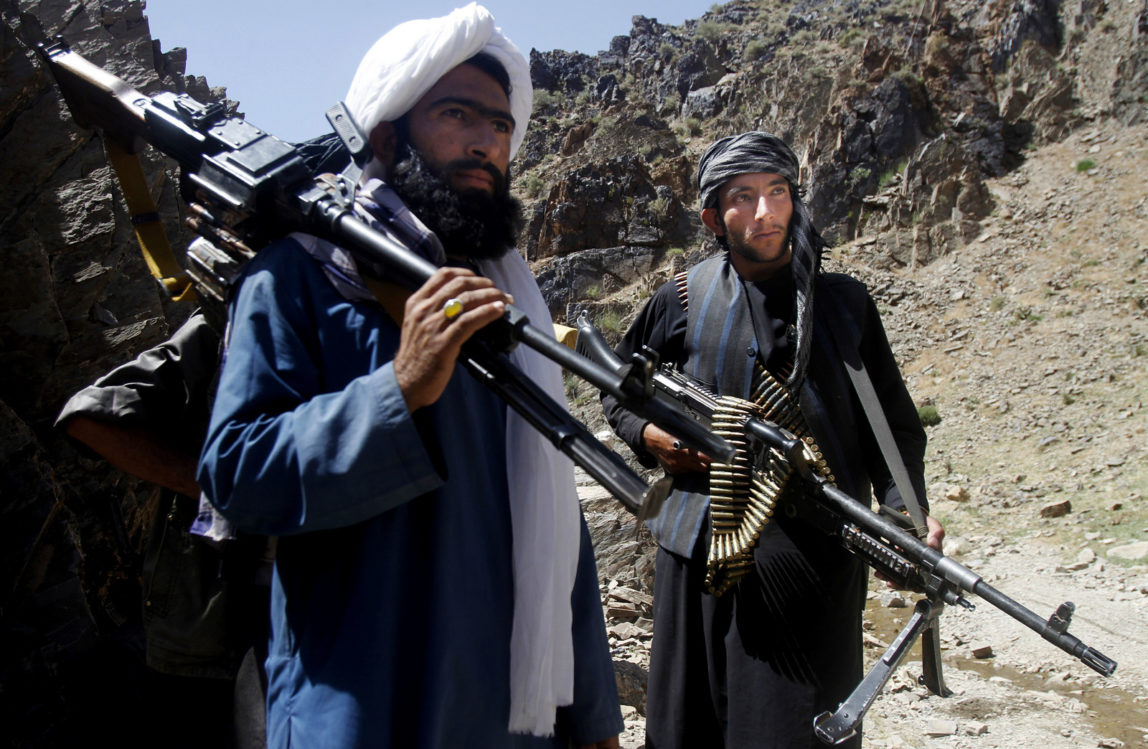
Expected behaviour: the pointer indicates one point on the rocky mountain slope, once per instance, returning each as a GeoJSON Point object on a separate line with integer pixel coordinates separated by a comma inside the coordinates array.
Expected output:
{"type": "Point", "coordinates": [980, 165]}
{"type": "Point", "coordinates": [900, 111]}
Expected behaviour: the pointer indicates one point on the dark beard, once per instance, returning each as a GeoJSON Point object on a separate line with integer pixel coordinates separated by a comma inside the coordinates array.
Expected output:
{"type": "Point", "coordinates": [470, 223]}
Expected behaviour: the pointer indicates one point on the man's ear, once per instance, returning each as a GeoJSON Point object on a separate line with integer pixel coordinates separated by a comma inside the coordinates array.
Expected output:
{"type": "Point", "coordinates": [384, 142]}
{"type": "Point", "coordinates": [712, 222]}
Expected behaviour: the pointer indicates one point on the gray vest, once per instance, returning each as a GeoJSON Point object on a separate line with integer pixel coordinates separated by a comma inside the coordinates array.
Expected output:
{"type": "Point", "coordinates": [721, 347]}
{"type": "Point", "coordinates": [721, 350]}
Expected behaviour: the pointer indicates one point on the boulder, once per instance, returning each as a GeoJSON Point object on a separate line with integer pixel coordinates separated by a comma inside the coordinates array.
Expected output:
{"type": "Point", "coordinates": [632, 682]}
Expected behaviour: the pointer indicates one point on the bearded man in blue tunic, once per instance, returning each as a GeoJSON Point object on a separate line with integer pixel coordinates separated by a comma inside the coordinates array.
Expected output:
{"type": "Point", "coordinates": [434, 584]}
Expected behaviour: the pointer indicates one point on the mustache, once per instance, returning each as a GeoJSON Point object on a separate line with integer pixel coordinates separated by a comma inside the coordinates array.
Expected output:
{"type": "Point", "coordinates": [458, 165]}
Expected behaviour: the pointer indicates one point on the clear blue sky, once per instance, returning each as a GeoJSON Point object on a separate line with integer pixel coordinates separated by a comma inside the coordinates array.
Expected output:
{"type": "Point", "coordinates": [286, 61]}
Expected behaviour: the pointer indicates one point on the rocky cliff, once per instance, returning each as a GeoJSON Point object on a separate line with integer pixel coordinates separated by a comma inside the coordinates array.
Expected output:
{"type": "Point", "coordinates": [75, 300]}
{"type": "Point", "coordinates": [904, 113]}
{"type": "Point", "coordinates": [900, 111]}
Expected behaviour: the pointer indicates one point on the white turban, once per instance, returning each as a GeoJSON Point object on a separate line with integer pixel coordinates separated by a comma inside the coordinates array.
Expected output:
{"type": "Point", "coordinates": [410, 58]}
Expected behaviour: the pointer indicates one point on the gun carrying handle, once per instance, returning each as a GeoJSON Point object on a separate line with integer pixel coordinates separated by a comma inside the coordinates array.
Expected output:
{"type": "Point", "coordinates": [349, 133]}
{"type": "Point", "coordinates": [592, 345]}
{"type": "Point", "coordinates": [784, 442]}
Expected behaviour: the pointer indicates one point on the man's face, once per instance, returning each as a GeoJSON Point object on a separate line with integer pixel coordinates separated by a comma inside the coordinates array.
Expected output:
{"type": "Point", "coordinates": [753, 214]}
{"type": "Point", "coordinates": [462, 127]}
{"type": "Point", "coordinates": [448, 158]}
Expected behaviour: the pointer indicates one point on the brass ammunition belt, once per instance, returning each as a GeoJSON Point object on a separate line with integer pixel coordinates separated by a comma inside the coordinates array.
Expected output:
{"type": "Point", "coordinates": [745, 492]}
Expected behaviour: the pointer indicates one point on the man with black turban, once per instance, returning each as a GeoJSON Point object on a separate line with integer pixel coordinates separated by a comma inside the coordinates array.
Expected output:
{"type": "Point", "coordinates": [747, 657]}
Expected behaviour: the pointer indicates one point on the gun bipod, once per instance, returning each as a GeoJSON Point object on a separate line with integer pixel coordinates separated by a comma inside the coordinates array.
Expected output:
{"type": "Point", "coordinates": [836, 727]}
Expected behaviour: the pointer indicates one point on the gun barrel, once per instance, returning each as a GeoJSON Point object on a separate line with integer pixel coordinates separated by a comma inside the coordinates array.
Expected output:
{"type": "Point", "coordinates": [1070, 644]}
{"type": "Point", "coordinates": [567, 434]}
{"type": "Point", "coordinates": [1097, 661]}
{"type": "Point", "coordinates": [958, 575]}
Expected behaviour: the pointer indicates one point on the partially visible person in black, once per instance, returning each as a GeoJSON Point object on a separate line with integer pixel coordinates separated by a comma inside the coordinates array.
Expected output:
{"type": "Point", "coordinates": [753, 666]}
{"type": "Point", "coordinates": [205, 602]}
{"type": "Point", "coordinates": [205, 608]}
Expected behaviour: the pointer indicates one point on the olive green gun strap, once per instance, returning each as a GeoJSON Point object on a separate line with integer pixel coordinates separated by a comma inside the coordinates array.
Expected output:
{"type": "Point", "coordinates": [871, 403]}
{"type": "Point", "coordinates": [931, 673]}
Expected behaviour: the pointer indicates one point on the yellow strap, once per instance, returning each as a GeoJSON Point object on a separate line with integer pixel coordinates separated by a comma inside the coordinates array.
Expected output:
{"type": "Point", "coordinates": [148, 227]}
{"type": "Point", "coordinates": [566, 336]}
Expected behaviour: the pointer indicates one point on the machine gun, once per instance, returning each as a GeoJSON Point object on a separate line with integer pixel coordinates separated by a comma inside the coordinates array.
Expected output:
{"type": "Point", "coordinates": [246, 188]}
{"type": "Point", "coordinates": [880, 539]}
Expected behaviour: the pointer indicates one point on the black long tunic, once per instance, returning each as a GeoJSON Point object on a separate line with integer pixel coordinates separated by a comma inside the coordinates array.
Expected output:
{"type": "Point", "coordinates": [752, 667]}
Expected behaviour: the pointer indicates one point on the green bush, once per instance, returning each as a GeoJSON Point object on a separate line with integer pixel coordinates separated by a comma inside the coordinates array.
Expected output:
{"type": "Point", "coordinates": [611, 322]}
{"type": "Point", "coordinates": [660, 208]}
{"type": "Point", "coordinates": [928, 416]}
{"type": "Point", "coordinates": [857, 176]}
{"type": "Point", "coordinates": [754, 50]}
{"type": "Point", "coordinates": [711, 31]}
{"type": "Point", "coordinates": [853, 36]}
{"type": "Point", "coordinates": [531, 185]}
{"type": "Point", "coordinates": [1085, 164]}
{"type": "Point", "coordinates": [804, 37]}
{"type": "Point", "coordinates": [544, 99]}
{"type": "Point", "coordinates": [888, 175]}
{"type": "Point", "coordinates": [1024, 312]}
{"type": "Point", "coordinates": [908, 77]}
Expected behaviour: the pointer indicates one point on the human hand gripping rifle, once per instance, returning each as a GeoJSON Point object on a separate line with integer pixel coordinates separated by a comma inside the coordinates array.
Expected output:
{"type": "Point", "coordinates": [881, 539]}
{"type": "Point", "coordinates": [246, 188]}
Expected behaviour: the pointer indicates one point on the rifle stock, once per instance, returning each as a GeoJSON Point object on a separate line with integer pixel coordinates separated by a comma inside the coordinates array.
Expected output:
{"type": "Point", "coordinates": [880, 539]}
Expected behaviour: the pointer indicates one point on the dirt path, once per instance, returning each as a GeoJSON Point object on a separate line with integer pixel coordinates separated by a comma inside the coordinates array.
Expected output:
{"type": "Point", "coordinates": [1027, 693]}
{"type": "Point", "coordinates": [1032, 344]}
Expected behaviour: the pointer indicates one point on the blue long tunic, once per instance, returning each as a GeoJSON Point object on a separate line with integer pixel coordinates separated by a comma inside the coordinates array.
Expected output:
{"type": "Point", "coordinates": [392, 597]}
